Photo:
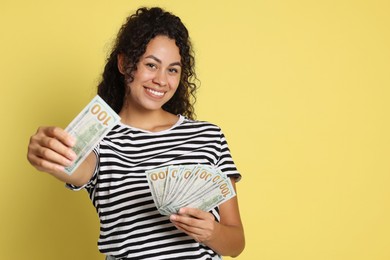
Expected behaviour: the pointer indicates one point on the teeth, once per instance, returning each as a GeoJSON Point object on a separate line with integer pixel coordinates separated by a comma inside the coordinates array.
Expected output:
{"type": "Point", "coordinates": [154, 92]}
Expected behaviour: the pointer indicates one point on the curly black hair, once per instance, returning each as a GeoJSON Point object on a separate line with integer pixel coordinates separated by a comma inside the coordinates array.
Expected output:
{"type": "Point", "coordinates": [132, 39]}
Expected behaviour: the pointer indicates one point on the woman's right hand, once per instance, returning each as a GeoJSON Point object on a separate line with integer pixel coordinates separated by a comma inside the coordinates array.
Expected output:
{"type": "Point", "coordinates": [50, 150]}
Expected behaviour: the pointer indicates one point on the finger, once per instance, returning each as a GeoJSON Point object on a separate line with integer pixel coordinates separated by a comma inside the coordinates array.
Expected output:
{"type": "Point", "coordinates": [183, 229]}
{"type": "Point", "coordinates": [196, 213]}
{"type": "Point", "coordinates": [59, 134]}
{"type": "Point", "coordinates": [61, 155]}
{"type": "Point", "coordinates": [188, 223]}
{"type": "Point", "coordinates": [44, 165]}
{"type": "Point", "coordinates": [189, 230]}
{"type": "Point", "coordinates": [48, 149]}
{"type": "Point", "coordinates": [56, 146]}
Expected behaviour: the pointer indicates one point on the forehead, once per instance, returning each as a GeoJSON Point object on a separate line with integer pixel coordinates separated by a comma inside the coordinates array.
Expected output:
{"type": "Point", "coordinates": [163, 47]}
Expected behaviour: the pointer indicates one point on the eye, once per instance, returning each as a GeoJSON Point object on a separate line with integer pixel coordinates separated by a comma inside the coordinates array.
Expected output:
{"type": "Point", "coordinates": [151, 66]}
{"type": "Point", "coordinates": [173, 70]}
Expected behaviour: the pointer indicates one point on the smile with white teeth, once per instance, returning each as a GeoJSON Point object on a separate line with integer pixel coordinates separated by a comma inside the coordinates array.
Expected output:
{"type": "Point", "coordinates": [155, 92]}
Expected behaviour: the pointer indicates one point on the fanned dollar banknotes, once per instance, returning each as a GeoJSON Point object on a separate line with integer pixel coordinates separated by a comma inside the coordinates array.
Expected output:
{"type": "Point", "coordinates": [89, 127]}
{"type": "Point", "coordinates": [195, 186]}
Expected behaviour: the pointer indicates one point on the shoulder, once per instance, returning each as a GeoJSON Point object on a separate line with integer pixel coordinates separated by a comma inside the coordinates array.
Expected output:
{"type": "Point", "coordinates": [200, 124]}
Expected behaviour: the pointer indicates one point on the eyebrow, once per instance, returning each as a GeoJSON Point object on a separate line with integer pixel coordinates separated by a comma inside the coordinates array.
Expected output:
{"type": "Point", "coordinates": [178, 63]}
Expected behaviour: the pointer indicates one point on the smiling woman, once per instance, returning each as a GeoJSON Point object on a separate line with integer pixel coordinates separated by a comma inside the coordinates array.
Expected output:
{"type": "Point", "coordinates": [148, 80]}
{"type": "Point", "coordinates": [155, 81]}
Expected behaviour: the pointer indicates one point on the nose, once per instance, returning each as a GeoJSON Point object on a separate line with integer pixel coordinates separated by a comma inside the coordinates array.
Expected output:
{"type": "Point", "coordinates": [160, 78]}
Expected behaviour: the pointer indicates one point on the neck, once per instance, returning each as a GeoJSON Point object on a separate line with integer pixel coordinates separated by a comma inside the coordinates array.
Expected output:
{"type": "Point", "coordinates": [150, 120]}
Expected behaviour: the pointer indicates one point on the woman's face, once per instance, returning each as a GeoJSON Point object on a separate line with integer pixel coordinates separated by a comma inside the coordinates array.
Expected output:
{"type": "Point", "coordinates": [157, 76]}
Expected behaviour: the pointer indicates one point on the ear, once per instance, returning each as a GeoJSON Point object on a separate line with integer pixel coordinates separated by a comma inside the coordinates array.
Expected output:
{"type": "Point", "coordinates": [121, 59]}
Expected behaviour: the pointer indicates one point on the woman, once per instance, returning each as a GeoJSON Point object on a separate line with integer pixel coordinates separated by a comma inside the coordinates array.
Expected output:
{"type": "Point", "coordinates": [148, 80]}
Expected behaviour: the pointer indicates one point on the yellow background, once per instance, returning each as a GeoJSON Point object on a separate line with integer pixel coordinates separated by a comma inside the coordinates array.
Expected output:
{"type": "Point", "coordinates": [300, 88]}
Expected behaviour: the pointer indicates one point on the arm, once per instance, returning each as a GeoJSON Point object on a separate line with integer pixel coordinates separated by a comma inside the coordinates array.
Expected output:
{"type": "Point", "coordinates": [225, 237]}
{"type": "Point", "coordinates": [50, 150]}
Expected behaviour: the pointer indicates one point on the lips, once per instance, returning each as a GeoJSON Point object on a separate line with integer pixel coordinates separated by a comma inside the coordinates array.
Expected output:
{"type": "Point", "coordinates": [155, 93]}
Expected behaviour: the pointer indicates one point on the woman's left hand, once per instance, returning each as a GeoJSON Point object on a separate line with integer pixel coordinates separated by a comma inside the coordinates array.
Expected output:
{"type": "Point", "coordinates": [198, 224]}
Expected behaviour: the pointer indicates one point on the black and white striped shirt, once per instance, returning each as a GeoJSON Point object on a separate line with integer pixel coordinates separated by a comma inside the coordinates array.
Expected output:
{"type": "Point", "coordinates": [130, 225]}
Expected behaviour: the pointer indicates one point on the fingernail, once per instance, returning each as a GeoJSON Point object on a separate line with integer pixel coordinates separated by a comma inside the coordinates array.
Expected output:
{"type": "Point", "coordinates": [72, 141]}
{"type": "Point", "coordinates": [72, 155]}
{"type": "Point", "coordinates": [60, 168]}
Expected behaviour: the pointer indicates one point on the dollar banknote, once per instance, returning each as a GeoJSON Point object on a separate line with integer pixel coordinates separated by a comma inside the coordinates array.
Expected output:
{"type": "Point", "coordinates": [90, 126]}
{"type": "Point", "coordinates": [197, 186]}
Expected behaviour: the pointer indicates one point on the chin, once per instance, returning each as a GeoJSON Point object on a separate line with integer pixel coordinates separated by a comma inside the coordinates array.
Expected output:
{"type": "Point", "coordinates": [153, 107]}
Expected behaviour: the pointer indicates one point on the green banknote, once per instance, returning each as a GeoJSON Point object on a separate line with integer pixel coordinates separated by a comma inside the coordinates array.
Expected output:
{"type": "Point", "coordinates": [89, 127]}
{"type": "Point", "coordinates": [195, 185]}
